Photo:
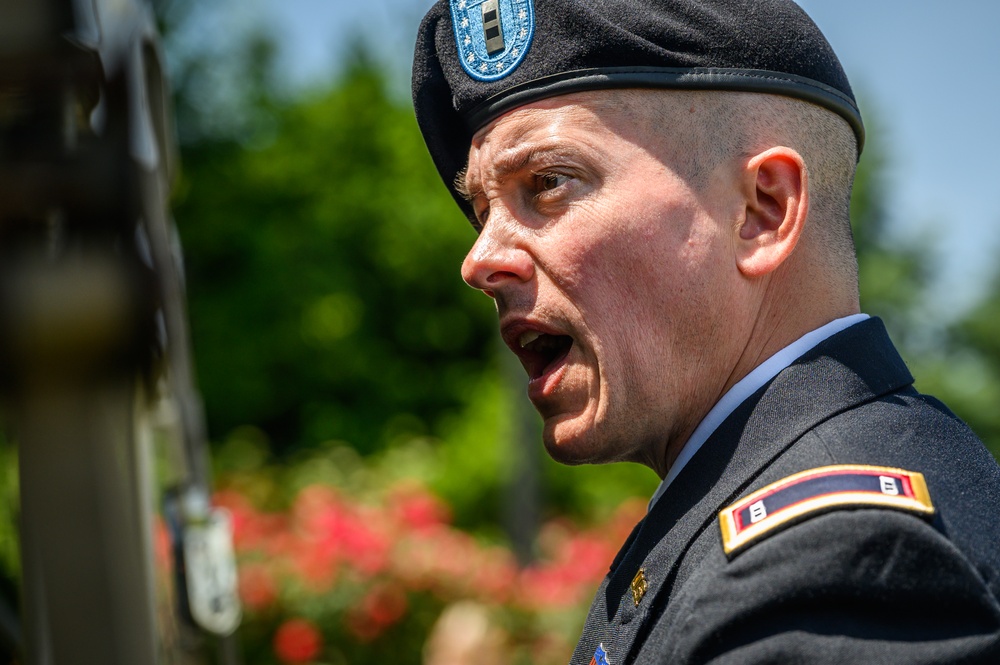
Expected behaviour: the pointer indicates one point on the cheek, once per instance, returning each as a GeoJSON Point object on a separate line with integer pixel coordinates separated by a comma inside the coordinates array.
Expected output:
{"type": "Point", "coordinates": [599, 244]}
{"type": "Point", "coordinates": [652, 298]}
{"type": "Point", "coordinates": [634, 272]}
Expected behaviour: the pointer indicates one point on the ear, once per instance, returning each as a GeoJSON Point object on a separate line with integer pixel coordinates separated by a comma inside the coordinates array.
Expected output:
{"type": "Point", "coordinates": [776, 189]}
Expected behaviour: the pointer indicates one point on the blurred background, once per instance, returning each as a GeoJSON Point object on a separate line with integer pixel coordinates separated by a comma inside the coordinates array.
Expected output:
{"type": "Point", "coordinates": [391, 500]}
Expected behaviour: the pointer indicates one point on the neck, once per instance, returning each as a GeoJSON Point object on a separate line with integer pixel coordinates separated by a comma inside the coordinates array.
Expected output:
{"type": "Point", "coordinates": [785, 315]}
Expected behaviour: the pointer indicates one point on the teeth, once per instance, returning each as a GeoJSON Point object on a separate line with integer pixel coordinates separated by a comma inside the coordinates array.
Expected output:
{"type": "Point", "coordinates": [528, 337]}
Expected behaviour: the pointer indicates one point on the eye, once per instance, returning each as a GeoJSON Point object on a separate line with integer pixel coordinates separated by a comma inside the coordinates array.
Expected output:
{"type": "Point", "coordinates": [550, 181]}
{"type": "Point", "coordinates": [482, 213]}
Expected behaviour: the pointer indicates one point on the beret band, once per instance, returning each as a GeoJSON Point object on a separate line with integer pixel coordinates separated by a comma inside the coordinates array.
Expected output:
{"type": "Point", "coordinates": [676, 78]}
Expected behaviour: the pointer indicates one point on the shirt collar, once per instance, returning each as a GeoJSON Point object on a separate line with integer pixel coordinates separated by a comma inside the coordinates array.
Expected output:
{"type": "Point", "coordinates": [747, 386]}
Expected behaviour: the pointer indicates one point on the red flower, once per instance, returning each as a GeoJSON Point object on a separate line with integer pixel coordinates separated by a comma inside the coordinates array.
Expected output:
{"type": "Point", "coordinates": [547, 587]}
{"type": "Point", "coordinates": [333, 530]}
{"type": "Point", "coordinates": [586, 558]}
{"type": "Point", "coordinates": [385, 604]}
{"type": "Point", "coordinates": [252, 529]}
{"type": "Point", "coordinates": [418, 509]}
{"type": "Point", "coordinates": [381, 607]}
{"type": "Point", "coordinates": [316, 564]}
{"type": "Point", "coordinates": [297, 641]}
{"type": "Point", "coordinates": [241, 512]}
{"type": "Point", "coordinates": [257, 586]}
{"type": "Point", "coordinates": [162, 545]}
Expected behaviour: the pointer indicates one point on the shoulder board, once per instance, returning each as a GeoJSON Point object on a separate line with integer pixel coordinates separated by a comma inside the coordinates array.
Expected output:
{"type": "Point", "coordinates": [816, 491]}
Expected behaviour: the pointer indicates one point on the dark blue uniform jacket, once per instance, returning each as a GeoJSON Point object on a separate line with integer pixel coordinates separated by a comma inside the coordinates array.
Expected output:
{"type": "Point", "coordinates": [845, 585]}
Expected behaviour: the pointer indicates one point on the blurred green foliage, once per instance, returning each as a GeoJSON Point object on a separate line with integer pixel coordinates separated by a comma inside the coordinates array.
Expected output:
{"type": "Point", "coordinates": [323, 270]}
{"type": "Point", "coordinates": [957, 361]}
{"type": "Point", "coordinates": [974, 372]}
{"type": "Point", "coordinates": [894, 275]}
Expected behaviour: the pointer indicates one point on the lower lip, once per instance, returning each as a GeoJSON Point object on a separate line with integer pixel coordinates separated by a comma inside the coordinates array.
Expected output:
{"type": "Point", "coordinates": [544, 385]}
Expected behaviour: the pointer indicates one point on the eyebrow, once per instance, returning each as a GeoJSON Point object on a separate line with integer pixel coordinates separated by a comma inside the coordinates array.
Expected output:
{"type": "Point", "coordinates": [461, 184]}
{"type": "Point", "coordinates": [507, 163]}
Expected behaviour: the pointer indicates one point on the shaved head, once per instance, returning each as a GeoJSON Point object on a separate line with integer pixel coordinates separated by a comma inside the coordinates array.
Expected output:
{"type": "Point", "coordinates": [702, 130]}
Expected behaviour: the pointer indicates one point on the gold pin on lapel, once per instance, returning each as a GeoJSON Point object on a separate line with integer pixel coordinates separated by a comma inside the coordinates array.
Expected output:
{"type": "Point", "coordinates": [639, 586]}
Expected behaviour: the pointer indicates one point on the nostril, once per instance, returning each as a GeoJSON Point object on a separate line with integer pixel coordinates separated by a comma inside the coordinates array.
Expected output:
{"type": "Point", "coordinates": [495, 277]}
{"type": "Point", "coordinates": [490, 293]}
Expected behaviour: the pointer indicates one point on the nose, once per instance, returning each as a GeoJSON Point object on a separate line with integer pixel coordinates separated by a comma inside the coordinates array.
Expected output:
{"type": "Point", "coordinates": [496, 260]}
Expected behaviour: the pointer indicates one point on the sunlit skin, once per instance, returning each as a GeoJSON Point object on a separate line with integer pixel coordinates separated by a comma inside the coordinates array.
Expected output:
{"type": "Point", "coordinates": [587, 232]}
{"type": "Point", "coordinates": [667, 290]}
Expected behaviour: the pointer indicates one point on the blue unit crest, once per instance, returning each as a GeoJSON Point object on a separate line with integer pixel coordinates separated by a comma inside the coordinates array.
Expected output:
{"type": "Point", "coordinates": [600, 656]}
{"type": "Point", "coordinates": [493, 36]}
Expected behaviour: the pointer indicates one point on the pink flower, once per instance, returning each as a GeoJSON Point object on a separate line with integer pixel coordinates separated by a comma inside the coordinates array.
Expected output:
{"type": "Point", "coordinates": [331, 530]}
{"type": "Point", "coordinates": [257, 587]}
{"type": "Point", "coordinates": [364, 542]}
{"type": "Point", "coordinates": [252, 529]}
{"type": "Point", "coordinates": [297, 641]}
{"type": "Point", "coordinates": [241, 511]}
{"type": "Point", "coordinates": [317, 565]}
{"type": "Point", "coordinates": [586, 558]}
{"type": "Point", "coordinates": [416, 508]}
{"type": "Point", "coordinates": [547, 587]}
{"type": "Point", "coordinates": [496, 576]}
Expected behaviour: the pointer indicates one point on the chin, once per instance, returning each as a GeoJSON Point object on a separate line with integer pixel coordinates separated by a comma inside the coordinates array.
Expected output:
{"type": "Point", "coordinates": [570, 441]}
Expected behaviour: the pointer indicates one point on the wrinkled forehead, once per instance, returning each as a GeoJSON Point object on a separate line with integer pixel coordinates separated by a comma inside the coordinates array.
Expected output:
{"type": "Point", "coordinates": [508, 143]}
{"type": "Point", "coordinates": [566, 124]}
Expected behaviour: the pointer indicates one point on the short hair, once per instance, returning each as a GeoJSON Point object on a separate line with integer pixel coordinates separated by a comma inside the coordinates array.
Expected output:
{"type": "Point", "coordinates": [707, 128]}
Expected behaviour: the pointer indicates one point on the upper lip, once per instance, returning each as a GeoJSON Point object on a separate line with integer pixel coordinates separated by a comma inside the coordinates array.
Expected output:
{"type": "Point", "coordinates": [511, 331]}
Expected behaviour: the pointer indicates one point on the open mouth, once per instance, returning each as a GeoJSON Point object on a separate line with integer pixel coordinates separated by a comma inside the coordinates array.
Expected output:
{"type": "Point", "coordinates": [540, 352]}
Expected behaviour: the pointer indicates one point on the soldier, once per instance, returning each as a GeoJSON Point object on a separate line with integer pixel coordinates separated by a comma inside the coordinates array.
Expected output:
{"type": "Point", "coordinates": [661, 190]}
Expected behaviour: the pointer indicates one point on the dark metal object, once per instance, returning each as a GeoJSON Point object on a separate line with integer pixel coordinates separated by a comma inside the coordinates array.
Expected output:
{"type": "Point", "coordinates": [95, 367]}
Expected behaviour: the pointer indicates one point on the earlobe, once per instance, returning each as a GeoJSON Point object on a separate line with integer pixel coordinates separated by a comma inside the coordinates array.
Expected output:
{"type": "Point", "coordinates": [776, 189]}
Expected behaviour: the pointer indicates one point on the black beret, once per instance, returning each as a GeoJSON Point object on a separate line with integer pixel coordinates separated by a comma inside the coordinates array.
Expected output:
{"type": "Point", "coordinates": [476, 59]}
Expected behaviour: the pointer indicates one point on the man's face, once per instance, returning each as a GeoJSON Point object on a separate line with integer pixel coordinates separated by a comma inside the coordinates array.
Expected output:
{"type": "Point", "coordinates": [613, 276]}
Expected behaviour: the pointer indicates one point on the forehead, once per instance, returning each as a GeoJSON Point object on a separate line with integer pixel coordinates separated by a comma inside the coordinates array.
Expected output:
{"type": "Point", "coordinates": [579, 112]}
{"type": "Point", "coordinates": [587, 121]}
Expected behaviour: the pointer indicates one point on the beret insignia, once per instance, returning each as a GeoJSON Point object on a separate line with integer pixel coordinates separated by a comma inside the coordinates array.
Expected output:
{"type": "Point", "coordinates": [493, 36]}
{"type": "Point", "coordinates": [816, 491]}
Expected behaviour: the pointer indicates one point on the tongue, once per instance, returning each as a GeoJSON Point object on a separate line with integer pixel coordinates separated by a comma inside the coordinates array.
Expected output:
{"type": "Point", "coordinates": [548, 350]}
